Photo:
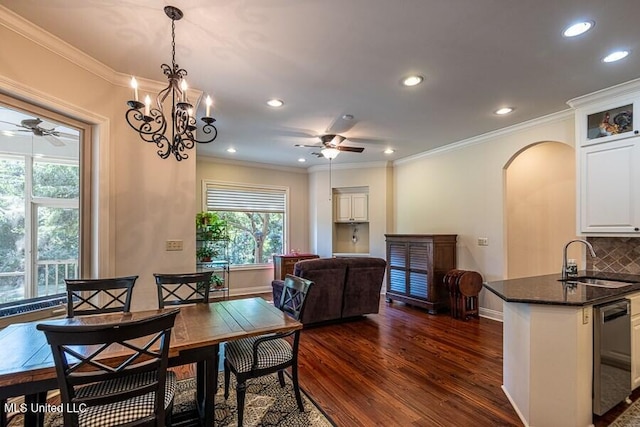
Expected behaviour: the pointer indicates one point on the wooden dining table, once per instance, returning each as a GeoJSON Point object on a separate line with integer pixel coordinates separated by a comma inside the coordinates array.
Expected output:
{"type": "Point", "coordinates": [27, 367]}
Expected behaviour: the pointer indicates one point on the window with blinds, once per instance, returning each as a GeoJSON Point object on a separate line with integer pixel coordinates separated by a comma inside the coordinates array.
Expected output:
{"type": "Point", "coordinates": [255, 216]}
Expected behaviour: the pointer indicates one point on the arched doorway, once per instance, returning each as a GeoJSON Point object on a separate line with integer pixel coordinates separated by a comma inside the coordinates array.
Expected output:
{"type": "Point", "coordinates": [540, 208]}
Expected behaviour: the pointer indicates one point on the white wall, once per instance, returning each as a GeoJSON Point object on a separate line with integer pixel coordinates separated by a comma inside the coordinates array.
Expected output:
{"type": "Point", "coordinates": [374, 176]}
{"type": "Point", "coordinates": [460, 190]}
{"type": "Point", "coordinates": [140, 200]}
{"type": "Point", "coordinates": [252, 279]}
{"type": "Point", "coordinates": [540, 206]}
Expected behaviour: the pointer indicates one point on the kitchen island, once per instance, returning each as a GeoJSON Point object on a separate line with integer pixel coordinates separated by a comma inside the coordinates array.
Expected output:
{"type": "Point", "coordinates": [548, 345]}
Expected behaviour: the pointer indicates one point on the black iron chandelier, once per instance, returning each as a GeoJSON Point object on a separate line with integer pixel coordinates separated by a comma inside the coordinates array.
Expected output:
{"type": "Point", "coordinates": [151, 123]}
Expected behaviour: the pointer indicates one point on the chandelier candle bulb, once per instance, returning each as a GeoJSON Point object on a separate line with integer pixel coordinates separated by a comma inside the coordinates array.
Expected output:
{"type": "Point", "coordinates": [134, 85]}
{"type": "Point", "coordinates": [147, 105]}
{"type": "Point", "coordinates": [183, 86]}
{"type": "Point", "coordinates": [208, 103]}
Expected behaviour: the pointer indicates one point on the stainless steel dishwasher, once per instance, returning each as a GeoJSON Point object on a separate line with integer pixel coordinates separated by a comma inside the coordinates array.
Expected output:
{"type": "Point", "coordinates": [611, 355]}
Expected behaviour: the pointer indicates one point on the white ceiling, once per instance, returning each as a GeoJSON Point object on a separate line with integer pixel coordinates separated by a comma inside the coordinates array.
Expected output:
{"type": "Point", "coordinates": [326, 58]}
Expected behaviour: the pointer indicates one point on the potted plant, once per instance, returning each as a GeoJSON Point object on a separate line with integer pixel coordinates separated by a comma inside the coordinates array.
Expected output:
{"type": "Point", "coordinates": [217, 281]}
{"type": "Point", "coordinates": [209, 226]}
{"type": "Point", "coordinates": [204, 253]}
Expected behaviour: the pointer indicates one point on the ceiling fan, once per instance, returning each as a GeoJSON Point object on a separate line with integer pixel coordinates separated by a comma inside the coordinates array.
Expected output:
{"type": "Point", "coordinates": [52, 135]}
{"type": "Point", "coordinates": [332, 140]}
{"type": "Point", "coordinates": [332, 145]}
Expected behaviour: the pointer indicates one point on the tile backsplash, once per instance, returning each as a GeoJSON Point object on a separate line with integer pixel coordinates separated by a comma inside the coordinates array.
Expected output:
{"type": "Point", "coordinates": [615, 255]}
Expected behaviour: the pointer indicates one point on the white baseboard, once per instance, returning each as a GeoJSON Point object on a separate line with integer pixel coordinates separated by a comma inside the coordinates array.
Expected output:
{"type": "Point", "coordinates": [248, 291]}
{"type": "Point", "coordinates": [515, 407]}
{"type": "Point", "coordinates": [491, 314]}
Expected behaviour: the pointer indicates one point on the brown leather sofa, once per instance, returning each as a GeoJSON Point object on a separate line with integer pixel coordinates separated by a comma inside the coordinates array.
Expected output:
{"type": "Point", "coordinates": [343, 287]}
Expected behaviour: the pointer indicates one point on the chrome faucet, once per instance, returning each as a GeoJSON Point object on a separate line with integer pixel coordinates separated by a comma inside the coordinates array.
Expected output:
{"type": "Point", "coordinates": [564, 255]}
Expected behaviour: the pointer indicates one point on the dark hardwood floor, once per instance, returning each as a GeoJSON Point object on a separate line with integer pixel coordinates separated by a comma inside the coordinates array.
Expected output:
{"type": "Point", "coordinates": [405, 367]}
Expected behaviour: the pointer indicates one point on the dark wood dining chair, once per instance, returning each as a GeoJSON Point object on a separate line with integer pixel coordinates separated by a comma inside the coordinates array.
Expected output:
{"type": "Point", "coordinates": [186, 288]}
{"type": "Point", "coordinates": [99, 296]}
{"type": "Point", "coordinates": [133, 390]}
{"type": "Point", "coordinates": [262, 355]}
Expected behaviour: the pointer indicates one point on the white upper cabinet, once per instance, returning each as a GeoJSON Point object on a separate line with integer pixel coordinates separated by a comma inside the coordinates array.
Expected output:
{"type": "Point", "coordinates": [352, 207]}
{"type": "Point", "coordinates": [610, 187]}
{"type": "Point", "coordinates": [608, 163]}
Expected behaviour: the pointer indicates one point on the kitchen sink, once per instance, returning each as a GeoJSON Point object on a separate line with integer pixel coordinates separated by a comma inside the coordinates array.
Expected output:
{"type": "Point", "coordinates": [599, 282]}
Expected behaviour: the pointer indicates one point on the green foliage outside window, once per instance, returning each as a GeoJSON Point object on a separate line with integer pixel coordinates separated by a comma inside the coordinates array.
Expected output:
{"type": "Point", "coordinates": [253, 236]}
{"type": "Point", "coordinates": [57, 228]}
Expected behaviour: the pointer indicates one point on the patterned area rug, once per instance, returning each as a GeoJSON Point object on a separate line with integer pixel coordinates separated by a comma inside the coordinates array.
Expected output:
{"type": "Point", "coordinates": [267, 404]}
{"type": "Point", "coordinates": [629, 418]}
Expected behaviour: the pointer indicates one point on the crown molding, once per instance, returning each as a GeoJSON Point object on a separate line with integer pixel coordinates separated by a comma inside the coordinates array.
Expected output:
{"type": "Point", "coordinates": [602, 95]}
{"type": "Point", "coordinates": [32, 32]}
{"type": "Point", "coordinates": [486, 137]}
{"type": "Point", "coordinates": [345, 166]}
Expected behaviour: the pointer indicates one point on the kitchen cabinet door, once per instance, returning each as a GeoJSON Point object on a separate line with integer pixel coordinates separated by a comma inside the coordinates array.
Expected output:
{"type": "Point", "coordinates": [609, 196]}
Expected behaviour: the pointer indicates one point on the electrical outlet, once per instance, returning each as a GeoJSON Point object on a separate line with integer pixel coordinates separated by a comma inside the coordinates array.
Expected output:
{"type": "Point", "coordinates": [483, 241]}
{"type": "Point", "coordinates": [174, 245]}
{"type": "Point", "coordinates": [586, 315]}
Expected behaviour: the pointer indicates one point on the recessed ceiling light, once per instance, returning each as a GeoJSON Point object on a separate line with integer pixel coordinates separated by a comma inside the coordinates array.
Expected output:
{"type": "Point", "coordinates": [388, 151]}
{"type": "Point", "coordinates": [302, 160]}
{"type": "Point", "coordinates": [231, 150]}
{"type": "Point", "coordinates": [347, 116]}
{"type": "Point", "coordinates": [275, 103]}
{"type": "Point", "coordinates": [615, 56]}
{"type": "Point", "coordinates": [412, 80]}
{"type": "Point", "coordinates": [503, 111]}
{"type": "Point", "coordinates": [577, 29]}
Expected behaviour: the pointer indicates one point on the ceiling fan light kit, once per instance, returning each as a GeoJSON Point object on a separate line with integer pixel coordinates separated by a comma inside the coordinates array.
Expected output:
{"type": "Point", "coordinates": [151, 123]}
{"type": "Point", "coordinates": [330, 153]}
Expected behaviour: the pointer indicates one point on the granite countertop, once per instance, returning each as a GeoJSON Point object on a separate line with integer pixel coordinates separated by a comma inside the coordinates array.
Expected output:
{"type": "Point", "coordinates": [550, 290]}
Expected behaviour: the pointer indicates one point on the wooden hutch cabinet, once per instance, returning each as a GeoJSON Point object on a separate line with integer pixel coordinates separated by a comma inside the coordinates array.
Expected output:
{"type": "Point", "coordinates": [416, 265]}
{"type": "Point", "coordinates": [283, 264]}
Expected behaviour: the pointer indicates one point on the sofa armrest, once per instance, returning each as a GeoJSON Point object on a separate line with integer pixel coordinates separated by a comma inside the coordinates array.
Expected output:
{"type": "Point", "coordinates": [276, 288]}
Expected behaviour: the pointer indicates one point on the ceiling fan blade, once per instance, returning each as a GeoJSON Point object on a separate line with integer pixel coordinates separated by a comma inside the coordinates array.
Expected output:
{"type": "Point", "coordinates": [64, 135]}
{"type": "Point", "coordinates": [54, 141]}
{"type": "Point", "coordinates": [308, 146]}
{"type": "Point", "coordinates": [341, 124]}
{"type": "Point", "coordinates": [377, 141]}
{"type": "Point", "coordinates": [351, 149]}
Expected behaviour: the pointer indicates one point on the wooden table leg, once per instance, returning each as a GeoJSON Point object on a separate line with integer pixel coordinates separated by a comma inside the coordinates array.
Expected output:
{"type": "Point", "coordinates": [31, 418]}
{"type": "Point", "coordinates": [207, 385]}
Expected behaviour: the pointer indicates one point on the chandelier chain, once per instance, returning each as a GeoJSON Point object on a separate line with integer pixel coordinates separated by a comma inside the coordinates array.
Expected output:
{"type": "Point", "coordinates": [173, 43]}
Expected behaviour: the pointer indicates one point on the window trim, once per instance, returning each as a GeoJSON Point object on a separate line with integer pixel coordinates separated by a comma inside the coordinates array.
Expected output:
{"type": "Point", "coordinates": [251, 186]}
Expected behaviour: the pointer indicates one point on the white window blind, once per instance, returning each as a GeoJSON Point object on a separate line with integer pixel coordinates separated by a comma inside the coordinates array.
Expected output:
{"type": "Point", "coordinates": [227, 197]}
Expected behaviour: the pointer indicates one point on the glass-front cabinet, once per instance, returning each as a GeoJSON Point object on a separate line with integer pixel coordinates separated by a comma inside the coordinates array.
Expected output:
{"type": "Point", "coordinates": [605, 122]}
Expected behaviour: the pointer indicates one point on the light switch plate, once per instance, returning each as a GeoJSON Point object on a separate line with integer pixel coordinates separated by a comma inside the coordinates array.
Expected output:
{"type": "Point", "coordinates": [483, 241]}
{"type": "Point", "coordinates": [586, 315]}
